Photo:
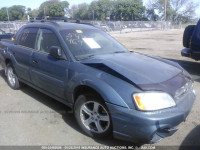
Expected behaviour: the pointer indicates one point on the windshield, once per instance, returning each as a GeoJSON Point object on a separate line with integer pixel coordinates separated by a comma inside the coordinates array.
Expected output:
{"type": "Point", "coordinates": [90, 42]}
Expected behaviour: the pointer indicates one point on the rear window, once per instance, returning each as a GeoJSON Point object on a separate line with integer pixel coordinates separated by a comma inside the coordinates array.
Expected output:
{"type": "Point", "coordinates": [28, 37]}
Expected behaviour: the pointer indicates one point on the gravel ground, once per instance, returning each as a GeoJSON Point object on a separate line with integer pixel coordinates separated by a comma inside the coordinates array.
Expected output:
{"type": "Point", "coordinates": [28, 117]}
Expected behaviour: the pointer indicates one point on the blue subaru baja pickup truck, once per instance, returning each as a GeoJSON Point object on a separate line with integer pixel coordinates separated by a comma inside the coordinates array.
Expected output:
{"type": "Point", "coordinates": [111, 90]}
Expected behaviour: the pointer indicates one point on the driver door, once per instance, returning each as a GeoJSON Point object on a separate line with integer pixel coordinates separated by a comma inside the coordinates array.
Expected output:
{"type": "Point", "coordinates": [48, 72]}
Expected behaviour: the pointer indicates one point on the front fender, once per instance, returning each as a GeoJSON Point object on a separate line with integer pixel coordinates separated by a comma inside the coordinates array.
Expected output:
{"type": "Point", "coordinates": [106, 91]}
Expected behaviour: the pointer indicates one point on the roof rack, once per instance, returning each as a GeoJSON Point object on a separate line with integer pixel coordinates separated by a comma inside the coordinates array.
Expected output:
{"type": "Point", "coordinates": [53, 19]}
{"type": "Point", "coordinates": [57, 18]}
{"type": "Point", "coordinates": [86, 23]}
{"type": "Point", "coordinates": [46, 19]}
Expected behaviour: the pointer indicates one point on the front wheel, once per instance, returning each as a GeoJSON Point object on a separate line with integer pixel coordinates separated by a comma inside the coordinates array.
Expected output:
{"type": "Point", "coordinates": [12, 77]}
{"type": "Point", "coordinates": [92, 116]}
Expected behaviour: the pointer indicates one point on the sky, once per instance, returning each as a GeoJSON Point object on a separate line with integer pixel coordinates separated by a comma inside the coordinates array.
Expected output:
{"type": "Point", "coordinates": [36, 3]}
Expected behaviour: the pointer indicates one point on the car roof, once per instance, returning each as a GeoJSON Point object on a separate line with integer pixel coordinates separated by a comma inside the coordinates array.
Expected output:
{"type": "Point", "coordinates": [61, 25]}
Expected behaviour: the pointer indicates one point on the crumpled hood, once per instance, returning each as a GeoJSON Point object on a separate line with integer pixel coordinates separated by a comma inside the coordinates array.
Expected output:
{"type": "Point", "coordinates": [138, 68]}
{"type": "Point", "coordinates": [145, 72]}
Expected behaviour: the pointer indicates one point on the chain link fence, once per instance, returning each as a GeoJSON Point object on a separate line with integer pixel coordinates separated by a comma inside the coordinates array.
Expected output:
{"type": "Point", "coordinates": [131, 26]}
{"type": "Point", "coordinates": [107, 26]}
{"type": "Point", "coordinates": [11, 26]}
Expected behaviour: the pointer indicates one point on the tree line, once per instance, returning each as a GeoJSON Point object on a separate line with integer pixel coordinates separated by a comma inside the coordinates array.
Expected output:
{"type": "Point", "coordinates": [125, 10]}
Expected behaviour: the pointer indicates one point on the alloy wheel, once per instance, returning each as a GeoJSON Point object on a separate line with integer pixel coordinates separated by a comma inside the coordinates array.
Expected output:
{"type": "Point", "coordinates": [11, 76]}
{"type": "Point", "coordinates": [94, 117]}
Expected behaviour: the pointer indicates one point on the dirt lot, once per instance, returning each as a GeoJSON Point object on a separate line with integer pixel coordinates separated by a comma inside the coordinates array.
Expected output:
{"type": "Point", "coordinates": [28, 117]}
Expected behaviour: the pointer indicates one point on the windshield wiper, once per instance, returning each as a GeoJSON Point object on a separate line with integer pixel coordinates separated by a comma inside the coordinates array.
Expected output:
{"type": "Point", "coordinates": [84, 57]}
{"type": "Point", "coordinates": [120, 52]}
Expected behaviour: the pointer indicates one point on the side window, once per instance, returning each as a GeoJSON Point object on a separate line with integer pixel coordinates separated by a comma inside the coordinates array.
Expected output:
{"type": "Point", "coordinates": [28, 37]}
{"type": "Point", "coordinates": [46, 38]}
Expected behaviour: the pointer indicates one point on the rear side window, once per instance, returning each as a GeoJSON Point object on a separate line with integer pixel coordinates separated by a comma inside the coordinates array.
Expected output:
{"type": "Point", "coordinates": [28, 37]}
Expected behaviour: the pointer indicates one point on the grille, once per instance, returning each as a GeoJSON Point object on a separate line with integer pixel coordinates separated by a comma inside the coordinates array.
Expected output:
{"type": "Point", "coordinates": [184, 89]}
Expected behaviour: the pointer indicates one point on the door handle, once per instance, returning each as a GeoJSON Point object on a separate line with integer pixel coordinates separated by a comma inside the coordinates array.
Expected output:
{"type": "Point", "coordinates": [35, 61]}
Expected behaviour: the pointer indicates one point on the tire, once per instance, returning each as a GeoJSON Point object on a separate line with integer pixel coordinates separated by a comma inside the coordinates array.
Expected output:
{"type": "Point", "coordinates": [187, 35]}
{"type": "Point", "coordinates": [12, 78]}
{"type": "Point", "coordinates": [93, 116]}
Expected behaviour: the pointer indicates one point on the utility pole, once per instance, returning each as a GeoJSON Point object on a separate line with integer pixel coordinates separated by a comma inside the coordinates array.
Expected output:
{"type": "Point", "coordinates": [132, 16]}
{"type": "Point", "coordinates": [93, 14]}
{"type": "Point", "coordinates": [109, 16]}
{"type": "Point", "coordinates": [8, 18]}
{"type": "Point", "coordinates": [165, 10]}
{"type": "Point", "coordinates": [132, 21]}
{"type": "Point", "coordinates": [72, 13]}
{"type": "Point", "coordinates": [44, 13]}
{"type": "Point", "coordinates": [7, 14]}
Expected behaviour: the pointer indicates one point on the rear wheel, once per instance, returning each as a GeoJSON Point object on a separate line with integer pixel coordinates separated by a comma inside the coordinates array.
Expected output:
{"type": "Point", "coordinates": [12, 77]}
{"type": "Point", "coordinates": [188, 35]}
{"type": "Point", "coordinates": [92, 116]}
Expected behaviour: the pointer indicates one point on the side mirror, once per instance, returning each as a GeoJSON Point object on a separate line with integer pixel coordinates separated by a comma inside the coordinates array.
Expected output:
{"type": "Point", "coordinates": [56, 51]}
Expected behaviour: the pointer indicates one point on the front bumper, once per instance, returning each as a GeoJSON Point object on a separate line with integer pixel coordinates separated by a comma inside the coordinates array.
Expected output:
{"type": "Point", "coordinates": [149, 127]}
{"type": "Point", "coordinates": [186, 52]}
